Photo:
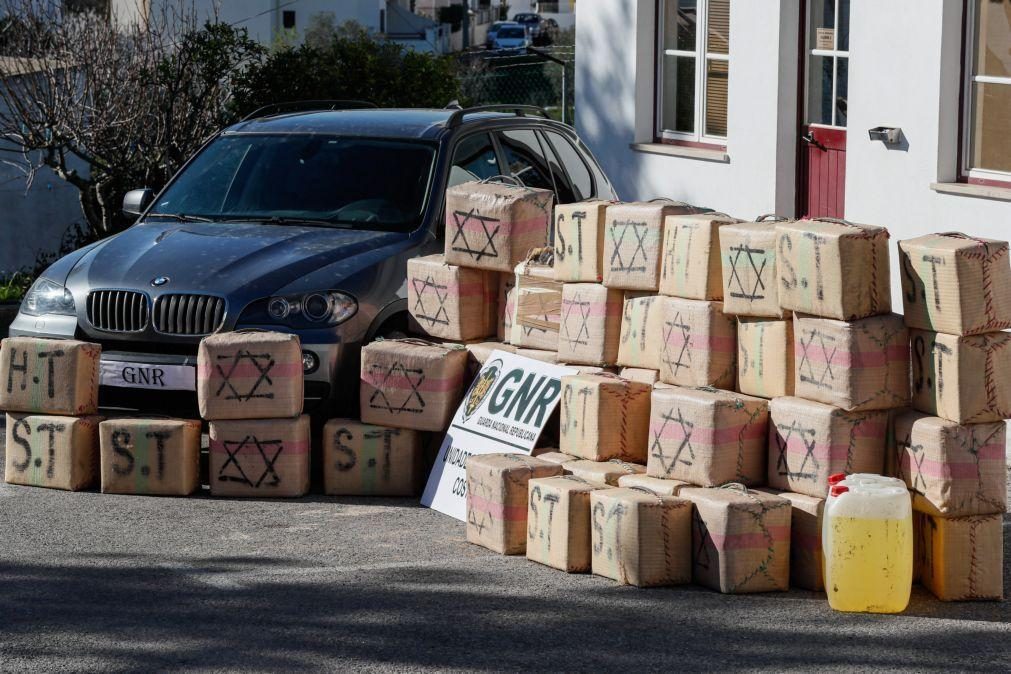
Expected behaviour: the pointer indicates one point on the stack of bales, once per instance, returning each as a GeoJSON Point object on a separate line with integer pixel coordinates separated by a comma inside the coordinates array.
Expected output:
{"type": "Point", "coordinates": [250, 389]}
{"type": "Point", "coordinates": [49, 389]}
{"type": "Point", "coordinates": [951, 447]}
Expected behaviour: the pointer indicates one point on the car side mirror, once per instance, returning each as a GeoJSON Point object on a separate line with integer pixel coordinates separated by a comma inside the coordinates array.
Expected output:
{"type": "Point", "coordinates": [135, 201]}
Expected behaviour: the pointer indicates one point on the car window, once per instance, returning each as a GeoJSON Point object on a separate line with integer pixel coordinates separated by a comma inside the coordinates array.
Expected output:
{"type": "Point", "coordinates": [525, 158]}
{"type": "Point", "coordinates": [579, 175]}
{"type": "Point", "coordinates": [564, 194]}
{"type": "Point", "coordinates": [474, 159]}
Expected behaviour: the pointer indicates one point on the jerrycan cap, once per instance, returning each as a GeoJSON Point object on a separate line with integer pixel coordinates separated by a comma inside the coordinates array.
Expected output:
{"type": "Point", "coordinates": [836, 478]}
{"type": "Point", "coordinates": [838, 489]}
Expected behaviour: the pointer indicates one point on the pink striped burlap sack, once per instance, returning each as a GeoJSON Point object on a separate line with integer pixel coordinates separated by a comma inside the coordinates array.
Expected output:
{"type": "Point", "coordinates": [698, 344]}
{"type": "Point", "coordinates": [655, 484]}
{"type": "Point", "coordinates": [558, 522]}
{"type": "Point", "coordinates": [537, 303]}
{"type": "Point", "coordinates": [749, 269]}
{"type": "Point", "coordinates": [49, 376]}
{"type": "Point", "coordinates": [263, 458]}
{"type": "Point", "coordinates": [604, 417]}
{"type": "Point", "coordinates": [250, 374]}
{"type": "Point", "coordinates": [765, 362]}
{"type": "Point", "coordinates": [579, 241]}
{"type": "Point", "coordinates": [451, 302]}
{"type": "Point", "coordinates": [411, 383]}
{"type": "Point", "coordinates": [641, 331]}
{"type": "Point", "coordinates": [602, 472]}
{"type": "Point", "coordinates": [633, 242]}
{"type": "Point", "coordinates": [806, 556]}
{"type": "Point", "coordinates": [56, 452]}
{"type": "Point", "coordinates": [590, 330]}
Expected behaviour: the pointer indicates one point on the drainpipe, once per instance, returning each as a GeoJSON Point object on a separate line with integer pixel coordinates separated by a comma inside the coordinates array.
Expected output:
{"type": "Point", "coordinates": [466, 23]}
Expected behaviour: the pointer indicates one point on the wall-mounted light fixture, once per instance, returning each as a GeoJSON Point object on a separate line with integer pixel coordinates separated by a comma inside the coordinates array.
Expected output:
{"type": "Point", "coordinates": [889, 135]}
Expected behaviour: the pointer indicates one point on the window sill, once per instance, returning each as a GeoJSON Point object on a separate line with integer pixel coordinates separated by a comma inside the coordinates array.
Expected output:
{"type": "Point", "coordinates": [968, 190]}
{"type": "Point", "coordinates": [681, 151]}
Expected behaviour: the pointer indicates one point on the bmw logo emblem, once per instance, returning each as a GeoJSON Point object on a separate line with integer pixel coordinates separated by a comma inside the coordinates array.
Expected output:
{"type": "Point", "coordinates": [160, 281]}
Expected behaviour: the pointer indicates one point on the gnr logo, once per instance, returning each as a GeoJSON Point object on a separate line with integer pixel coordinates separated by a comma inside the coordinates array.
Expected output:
{"type": "Point", "coordinates": [144, 376]}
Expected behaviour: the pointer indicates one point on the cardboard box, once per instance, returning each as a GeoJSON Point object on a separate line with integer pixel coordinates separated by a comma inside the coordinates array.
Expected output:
{"type": "Point", "coordinates": [855, 365]}
{"type": "Point", "coordinates": [765, 363]}
{"type": "Point", "coordinates": [56, 452]}
{"type": "Point", "coordinates": [740, 539]}
{"type": "Point", "coordinates": [806, 556]}
{"type": "Point", "coordinates": [506, 306]}
{"type": "Point", "coordinates": [451, 302]}
{"type": "Point", "coordinates": [964, 379]}
{"type": "Point", "coordinates": [604, 417]}
{"type": "Point", "coordinates": [579, 241]}
{"type": "Point", "coordinates": [537, 307]}
{"type": "Point", "coordinates": [49, 376]}
{"type": "Point", "coordinates": [641, 538]}
{"type": "Point", "coordinates": [491, 225]}
{"type": "Point", "coordinates": [364, 460]}
{"type": "Point", "coordinates": [640, 374]}
{"type": "Point", "coordinates": [602, 472]}
{"type": "Point", "coordinates": [960, 469]}
{"type": "Point", "coordinates": [633, 235]}
{"type": "Point", "coordinates": [707, 436]}
{"type": "Point", "coordinates": [408, 383]}
{"type": "Point", "coordinates": [955, 284]}
{"type": "Point", "coordinates": [591, 324]}
{"type": "Point", "coordinates": [497, 499]}
{"type": "Point", "coordinates": [698, 344]}
{"type": "Point", "coordinates": [558, 517]}
{"type": "Point", "coordinates": [808, 441]}
{"type": "Point", "coordinates": [263, 458]}
{"type": "Point", "coordinates": [150, 456]}
{"type": "Point", "coordinates": [641, 331]}
{"type": "Point", "coordinates": [958, 558]}
{"type": "Point", "coordinates": [691, 265]}
{"type": "Point", "coordinates": [750, 279]}
{"type": "Point", "coordinates": [833, 269]}
{"type": "Point", "coordinates": [252, 374]}
{"type": "Point", "coordinates": [654, 484]}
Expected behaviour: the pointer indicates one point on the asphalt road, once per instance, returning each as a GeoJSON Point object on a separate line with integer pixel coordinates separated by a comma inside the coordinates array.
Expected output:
{"type": "Point", "coordinates": [122, 583]}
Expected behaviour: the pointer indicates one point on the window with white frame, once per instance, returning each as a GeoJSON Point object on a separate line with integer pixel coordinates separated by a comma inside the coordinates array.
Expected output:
{"type": "Point", "coordinates": [987, 141]}
{"type": "Point", "coordinates": [693, 40]}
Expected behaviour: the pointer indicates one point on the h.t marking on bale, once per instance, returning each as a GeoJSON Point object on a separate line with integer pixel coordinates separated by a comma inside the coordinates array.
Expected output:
{"type": "Point", "coordinates": [807, 437]}
{"type": "Point", "coordinates": [639, 231]}
{"type": "Point", "coordinates": [441, 293]}
{"type": "Point", "coordinates": [413, 376]}
{"type": "Point", "coordinates": [232, 448]}
{"type": "Point", "coordinates": [262, 362]}
{"type": "Point", "coordinates": [460, 220]}
{"type": "Point", "coordinates": [810, 377]}
{"type": "Point", "coordinates": [741, 292]}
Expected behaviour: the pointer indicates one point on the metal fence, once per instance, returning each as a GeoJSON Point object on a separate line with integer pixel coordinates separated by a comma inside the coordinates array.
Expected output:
{"type": "Point", "coordinates": [541, 76]}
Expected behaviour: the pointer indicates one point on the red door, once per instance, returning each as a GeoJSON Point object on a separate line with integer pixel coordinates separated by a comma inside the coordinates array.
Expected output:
{"type": "Point", "coordinates": [824, 84]}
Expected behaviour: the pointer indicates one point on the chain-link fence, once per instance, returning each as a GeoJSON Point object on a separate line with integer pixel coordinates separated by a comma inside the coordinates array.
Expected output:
{"type": "Point", "coordinates": [542, 76]}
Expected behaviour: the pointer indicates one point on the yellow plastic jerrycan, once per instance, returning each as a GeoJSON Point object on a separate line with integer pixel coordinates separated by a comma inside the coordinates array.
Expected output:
{"type": "Point", "coordinates": [868, 546]}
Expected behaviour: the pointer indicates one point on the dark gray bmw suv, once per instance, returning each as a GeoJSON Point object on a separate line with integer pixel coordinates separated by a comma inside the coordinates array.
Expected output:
{"type": "Point", "coordinates": [298, 221]}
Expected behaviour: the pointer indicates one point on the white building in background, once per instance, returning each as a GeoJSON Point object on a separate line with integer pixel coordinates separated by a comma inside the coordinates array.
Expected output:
{"type": "Point", "coordinates": [759, 106]}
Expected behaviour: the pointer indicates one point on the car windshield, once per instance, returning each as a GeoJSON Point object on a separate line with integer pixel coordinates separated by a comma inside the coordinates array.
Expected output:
{"type": "Point", "coordinates": [526, 18]}
{"type": "Point", "coordinates": [360, 183]}
{"type": "Point", "coordinates": [511, 32]}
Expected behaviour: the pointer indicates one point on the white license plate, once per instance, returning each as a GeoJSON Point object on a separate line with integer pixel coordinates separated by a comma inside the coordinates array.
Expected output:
{"type": "Point", "coordinates": [148, 376]}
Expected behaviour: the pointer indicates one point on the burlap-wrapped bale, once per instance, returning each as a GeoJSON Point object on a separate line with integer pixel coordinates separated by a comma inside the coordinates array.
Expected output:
{"type": "Point", "coordinates": [654, 484]}
{"type": "Point", "coordinates": [249, 374]}
{"type": "Point", "coordinates": [956, 284]}
{"type": "Point", "coordinates": [506, 306]}
{"type": "Point", "coordinates": [964, 379]}
{"type": "Point", "coordinates": [263, 458]}
{"type": "Point", "coordinates": [750, 281]}
{"type": "Point", "coordinates": [497, 499]}
{"type": "Point", "coordinates": [740, 539]}
{"type": "Point", "coordinates": [554, 456]}
{"type": "Point", "coordinates": [604, 417]}
{"type": "Point", "coordinates": [691, 265]}
{"type": "Point", "coordinates": [451, 302]}
{"type": "Point", "coordinates": [960, 469]}
{"type": "Point", "coordinates": [698, 344]}
{"type": "Point", "coordinates": [707, 436]}
{"type": "Point", "coordinates": [49, 376]}
{"type": "Point", "coordinates": [364, 460]}
{"type": "Point", "coordinates": [765, 363]}
{"type": "Point", "coordinates": [409, 383]}
{"type": "Point", "coordinates": [56, 452]}
{"type": "Point", "coordinates": [592, 369]}
{"type": "Point", "coordinates": [150, 456]}
{"type": "Point", "coordinates": [579, 241]}
{"type": "Point", "coordinates": [558, 522]}
{"type": "Point", "coordinates": [641, 538]}
{"type": "Point", "coordinates": [602, 472]}
{"type": "Point", "coordinates": [640, 374]}
{"type": "Point", "coordinates": [808, 441]}
{"type": "Point", "coordinates": [537, 307]}
{"type": "Point", "coordinates": [542, 355]}
{"type": "Point", "coordinates": [806, 556]}
{"type": "Point", "coordinates": [855, 365]}
{"type": "Point", "coordinates": [958, 558]}
{"type": "Point", "coordinates": [478, 354]}
{"type": "Point", "coordinates": [641, 331]}
{"type": "Point", "coordinates": [833, 268]}
{"type": "Point", "coordinates": [633, 238]}
{"type": "Point", "coordinates": [591, 324]}
{"type": "Point", "coordinates": [491, 225]}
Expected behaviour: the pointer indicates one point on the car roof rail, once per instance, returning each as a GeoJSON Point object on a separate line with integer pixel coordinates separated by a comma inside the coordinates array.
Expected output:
{"type": "Point", "coordinates": [456, 119]}
{"type": "Point", "coordinates": [308, 106]}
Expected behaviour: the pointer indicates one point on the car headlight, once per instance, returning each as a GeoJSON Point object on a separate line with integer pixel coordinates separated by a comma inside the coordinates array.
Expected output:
{"type": "Point", "coordinates": [326, 307]}
{"type": "Point", "coordinates": [48, 297]}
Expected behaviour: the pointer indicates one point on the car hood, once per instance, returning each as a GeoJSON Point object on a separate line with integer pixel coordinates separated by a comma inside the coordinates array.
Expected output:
{"type": "Point", "coordinates": [248, 259]}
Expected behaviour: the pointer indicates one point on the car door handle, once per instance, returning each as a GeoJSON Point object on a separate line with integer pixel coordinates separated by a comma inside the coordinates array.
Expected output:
{"type": "Point", "coordinates": [811, 140]}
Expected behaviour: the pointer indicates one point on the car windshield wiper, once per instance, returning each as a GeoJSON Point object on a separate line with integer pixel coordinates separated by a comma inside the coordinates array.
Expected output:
{"type": "Point", "coordinates": [180, 216]}
{"type": "Point", "coordinates": [280, 220]}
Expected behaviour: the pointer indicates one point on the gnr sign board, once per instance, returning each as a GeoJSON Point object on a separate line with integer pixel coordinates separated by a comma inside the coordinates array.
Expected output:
{"type": "Point", "coordinates": [504, 411]}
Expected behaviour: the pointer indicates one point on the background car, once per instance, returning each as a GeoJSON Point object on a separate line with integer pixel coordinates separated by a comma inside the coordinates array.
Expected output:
{"type": "Point", "coordinates": [535, 26]}
{"type": "Point", "coordinates": [492, 31]}
{"type": "Point", "coordinates": [298, 221]}
{"type": "Point", "coordinates": [513, 37]}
